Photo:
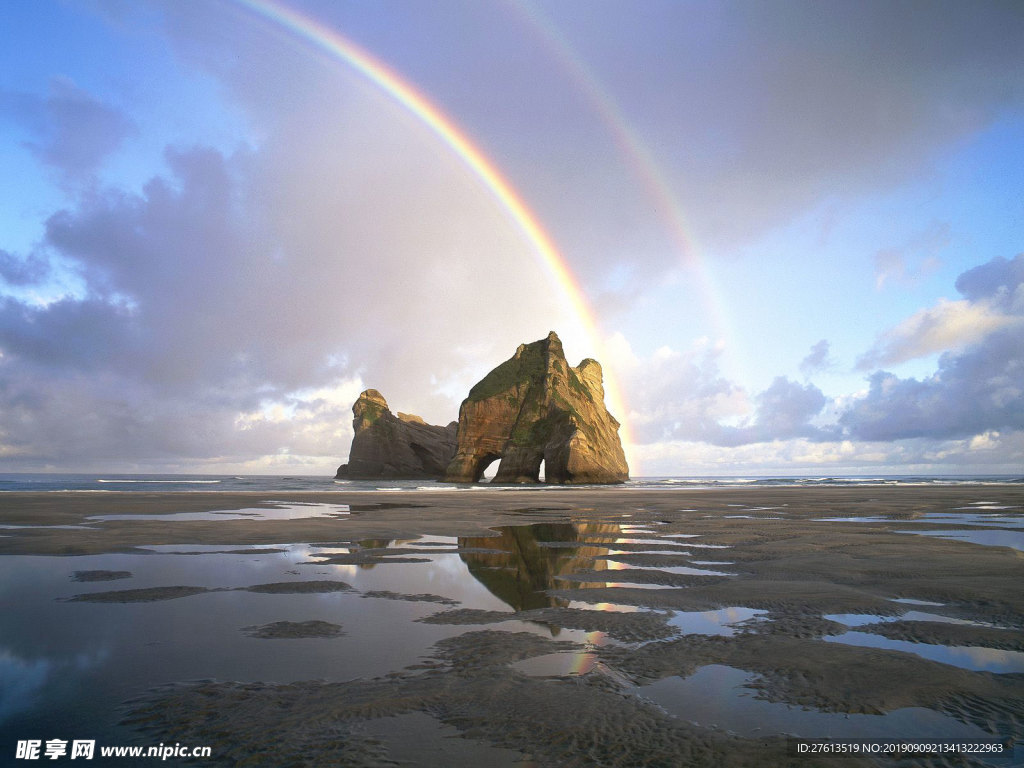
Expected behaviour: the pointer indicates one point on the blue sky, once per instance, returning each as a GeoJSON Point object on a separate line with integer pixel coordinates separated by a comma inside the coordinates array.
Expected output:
{"type": "Point", "coordinates": [213, 236]}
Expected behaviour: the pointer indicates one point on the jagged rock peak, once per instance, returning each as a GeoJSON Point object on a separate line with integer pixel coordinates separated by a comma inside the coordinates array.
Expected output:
{"type": "Point", "coordinates": [367, 408]}
{"type": "Point", "coordinates": [535, 407]}
{"type": "Point", "coordinates": [386, 446]}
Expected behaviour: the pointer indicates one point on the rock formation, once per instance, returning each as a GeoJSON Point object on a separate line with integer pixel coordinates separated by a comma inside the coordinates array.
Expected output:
{"type": "Point", "coordinates": [534, 407]}
{"type": "Point", "coordinates": [393, 447]}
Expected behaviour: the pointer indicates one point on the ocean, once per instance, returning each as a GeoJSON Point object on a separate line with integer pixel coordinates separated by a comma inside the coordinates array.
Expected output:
{"type": "Point", "coordinates": [141, 483]}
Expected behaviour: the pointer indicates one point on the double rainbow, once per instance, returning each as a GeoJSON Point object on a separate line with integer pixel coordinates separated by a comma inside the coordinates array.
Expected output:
{"type": "Point", "coordinates": [340, 48]}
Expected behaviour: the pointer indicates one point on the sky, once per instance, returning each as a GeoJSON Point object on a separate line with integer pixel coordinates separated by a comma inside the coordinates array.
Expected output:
{"type": "Point", "coordinates": [791, 232]}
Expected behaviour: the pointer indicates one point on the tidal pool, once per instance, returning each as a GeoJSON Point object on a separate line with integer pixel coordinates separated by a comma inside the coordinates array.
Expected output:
{"type": "Point", "coordinates": [717, 696]}
{"type": "Point", "coordinates": [64, 662]}
{"type": "Point", "coordinates": [283, 613]}
{"type": "Point", "coordinates": [967, 657]}
{"type": "Point", "coordinates": [288, 512]}
{"type": "Point", "coordinates": [718, 622]}
{"type": "Point", "coordinates": [984, 529]}
{"type": "Point", "coordinates": [986, 538]}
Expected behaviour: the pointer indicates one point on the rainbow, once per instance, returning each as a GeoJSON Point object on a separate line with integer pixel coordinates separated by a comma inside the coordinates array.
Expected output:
{"type": "Point", "coordinates": [340, 48]}
{"type": "Point", "coordinates": [641, 163]}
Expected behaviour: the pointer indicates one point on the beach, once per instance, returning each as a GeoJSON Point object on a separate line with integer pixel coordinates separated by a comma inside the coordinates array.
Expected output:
{"type": "Point", "coordinates": [584, 627]}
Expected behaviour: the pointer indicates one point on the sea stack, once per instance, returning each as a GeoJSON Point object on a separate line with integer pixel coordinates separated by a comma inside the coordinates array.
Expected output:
{"type": "Point", "coordinates": [386, 446]}
{"type": "Point", "coordinates": [535, 407]}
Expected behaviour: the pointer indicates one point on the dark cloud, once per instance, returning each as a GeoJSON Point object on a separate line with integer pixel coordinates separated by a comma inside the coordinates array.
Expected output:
{"type": "Point", "coordinates": [752, 112]}
{"type": "Point", "coordinates": [786, 407]}
{"type": "Point", "coordinates": [999, 280]}
{"type": "Point", "coordinates": [973, 391]}
{"type": "Point", "coordinates": [17, 271]}
{"type": "Point", "coordinates": [784, 412]}
{"type": "Point", "coordinates": [216, 302]}
{"type": "Point", "coordinates": [713, 121]}
{"type": "Point", "coordinates": [70, 130]}
{"type": "Point", "coordinates": [77, 335]}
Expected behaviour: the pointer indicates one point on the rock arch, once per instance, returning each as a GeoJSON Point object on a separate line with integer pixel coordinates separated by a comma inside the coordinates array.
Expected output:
{"type": "Point", "coordinates": [534, 407]}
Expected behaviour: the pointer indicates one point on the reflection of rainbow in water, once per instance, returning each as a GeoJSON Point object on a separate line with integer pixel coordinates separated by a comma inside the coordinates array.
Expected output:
{"type": "Point", "coordinates": [340, 48]}
{"type": "Point", "coordinates": [584, 661]}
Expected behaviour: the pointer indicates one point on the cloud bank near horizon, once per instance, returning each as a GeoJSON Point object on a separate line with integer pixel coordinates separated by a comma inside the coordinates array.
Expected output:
{"type": "Point", "coordinates": [974, 398]}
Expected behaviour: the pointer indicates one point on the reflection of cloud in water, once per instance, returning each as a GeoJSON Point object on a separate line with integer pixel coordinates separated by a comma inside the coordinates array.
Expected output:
{"type": "Point", "coordinates": [21, 679]}
{"type": "Point", "coordinates": [717, 622]}
{"type": "Point", "coordinates": [213, 549]}
{"type": "Point", "coordinates": [860, 619]}
{"type": "Point", "coordinates": [991, 538]}
{"type": "Point", "coordinates": [717, 695]}
{"type": "Point", "coordinates": [293, 511]}
{"type": "Point", "coordinates": [992, 658]}
{"type": "Point", "coordinates": [966, 657]}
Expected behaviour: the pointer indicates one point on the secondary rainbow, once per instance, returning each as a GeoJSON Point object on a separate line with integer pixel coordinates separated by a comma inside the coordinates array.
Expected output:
{"type": "Point", "coordinates": [335, 45]}
{"type": "Point", "coordinates": [641, 162]}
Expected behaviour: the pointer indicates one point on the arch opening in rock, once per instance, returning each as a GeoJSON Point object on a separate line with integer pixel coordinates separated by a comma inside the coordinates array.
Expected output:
{"type": "Point", "coordinates": [484, 463]}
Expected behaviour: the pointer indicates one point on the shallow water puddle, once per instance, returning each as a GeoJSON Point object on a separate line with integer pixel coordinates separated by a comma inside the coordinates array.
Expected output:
{"type": "Point", "coordinates": [913, 601]}
{"type": "Point", "coordinates": [943, 518]}
{"type": "Point", "coordinates": [646, 542]}
{"type": "Point", "coordinates": [969, 657]}
{"type": "Point", "coordinates": [58, 658]}
{"type": "Point", "coordinates": [558, 664]}
{"type": "Point", "coordinates": [986, 530]}
{"type": "Point", "coordinates": [992, 521]}
{"type": "Point", "coordinates": [605, 607]}
{"type": "Point", "coordinates": [49, 527]}
{"type": "Point", "coordinates": [684, 570]}
{"type": "Point", "coordinates": [715, 695]}
{"type": "Point", "coordinates": [975, 658]}
{"type": "Point", "coordinates": [188, 611]}
{"type": "Point", "coordinates": [720, 622]}
{"type": "Point", "coordinates": [214, 549]}
{"type": "Point", "coordinates": [568, 665]}
{"type": "Point", "coordinates": [989, 538]}
{"type": "Point", "coordinates": [862, 619]}
{"type": "Point", "coordinates": [588, 584]}
{"type": "Point", "coordinates": [295, 511]}
{"type": "Point", "coordinates": [713, 562]}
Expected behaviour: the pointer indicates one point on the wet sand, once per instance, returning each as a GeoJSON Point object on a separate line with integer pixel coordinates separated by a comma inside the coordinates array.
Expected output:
{"type": "Point", "coordinates": [658, 554]}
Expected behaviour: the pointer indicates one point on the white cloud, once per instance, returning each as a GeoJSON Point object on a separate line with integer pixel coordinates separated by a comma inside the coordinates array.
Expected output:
{"type": "Point", "coordinates": [949, 325]}
{"type": "Point", "coordinates": [987, 453]}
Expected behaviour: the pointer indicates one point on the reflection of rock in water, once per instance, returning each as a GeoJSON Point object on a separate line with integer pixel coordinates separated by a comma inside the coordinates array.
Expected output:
{"type": "Point", "coordinates": [524, 569]}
